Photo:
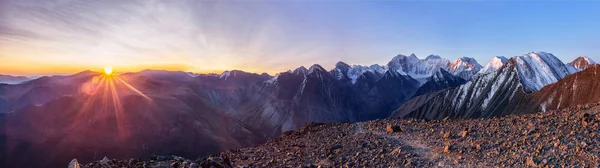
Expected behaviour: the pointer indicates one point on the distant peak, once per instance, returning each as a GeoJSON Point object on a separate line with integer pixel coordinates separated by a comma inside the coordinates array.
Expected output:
{"type": "Point", "coordinates": [300, 70]}
{"type": "Point", "coordinates": [342, 65]}
{"type": "Point", "coordinates": [86, 73]}
{"type": "Point", "coordinates": [582, 62]}
{"type": "Point", "coordinates": [315, 67]}
{"type": "Point", "coordinates": [378, 68]}
{"type": "Point", "coordinates": [467, 62]}
{"type": "Point", "coordinates": [433, 57]}
{"type": "Point", "coordinates": [500, 58]}
{"type": "Point", "coordinates": [496, 63]}
{"type": "Point", "coordinates": [401, 56]}
{"type": "Point", "coordinates": [586, 59]}
{"type": "Point", "coordinates": [541, 54]}
{"type": "Point", "coordinates": [225, 74]}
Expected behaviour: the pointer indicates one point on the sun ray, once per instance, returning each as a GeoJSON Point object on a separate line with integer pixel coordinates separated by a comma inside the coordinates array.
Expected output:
{"type": "Point", "coordinates": [104, 91]}
{"type": "Point", "coordinates": [118, 109]}
{"type": "Point", "coordinates": [133, 89]}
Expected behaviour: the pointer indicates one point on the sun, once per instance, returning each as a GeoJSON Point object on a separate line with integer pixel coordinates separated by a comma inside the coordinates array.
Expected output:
{"type": "Point", "coordinates": [108, 70]}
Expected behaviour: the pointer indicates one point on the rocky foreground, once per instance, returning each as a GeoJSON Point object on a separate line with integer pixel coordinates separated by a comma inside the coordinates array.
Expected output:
{"type": "Point", "coordinates": [562, 138]}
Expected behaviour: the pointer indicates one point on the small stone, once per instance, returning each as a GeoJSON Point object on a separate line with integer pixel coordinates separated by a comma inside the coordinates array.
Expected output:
{"type": "Point", "coordinates": [447, 149]}
{"type": "Point", "coordinates": [530, 162]}
{"type": "Point", "coordinates": [463, 133]}
{"type": "Point", "coordinates": [407, 162]}
{"type": "Point", "coordinates": [446, 135]}
{"type": "Point", "coordinates": [393, 128]}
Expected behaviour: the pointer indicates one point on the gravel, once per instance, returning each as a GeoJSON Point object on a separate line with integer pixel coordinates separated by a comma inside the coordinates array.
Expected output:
{"type": "Point", "coordinates": [567, 137]}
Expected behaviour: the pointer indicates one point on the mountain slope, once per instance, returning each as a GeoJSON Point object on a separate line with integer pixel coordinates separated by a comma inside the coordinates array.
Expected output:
{"type": "Point", "coordinates": [580, 88]}
{"type": "Point", "coordinates": [484, 96]}
{"type": "Point", "coordinates": [538, 69]}
{"type": "Point", "coordinates": [504, 95]}
{"type": "Point", "coordinates": [41, 90]}
{"type": "Point", "coordinates": [440, 80]}
{"type": "Point", "coordinates": [295, 98]}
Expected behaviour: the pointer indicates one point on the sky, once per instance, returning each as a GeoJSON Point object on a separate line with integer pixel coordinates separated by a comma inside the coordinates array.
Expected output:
{"type": "Point", "coordinates": [68, 36]}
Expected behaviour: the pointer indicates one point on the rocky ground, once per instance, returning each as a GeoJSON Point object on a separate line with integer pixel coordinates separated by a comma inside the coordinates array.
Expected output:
{"type": "Point", "coordinates": [561, 138]}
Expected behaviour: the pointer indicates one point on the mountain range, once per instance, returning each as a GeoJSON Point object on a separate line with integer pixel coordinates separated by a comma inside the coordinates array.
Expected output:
{"type": "Point", "coordinates": [511, 89]}
{"type": "Point", "coordinates": [90, 115]}
{"type": "Point", "coordinates": [9, 79]}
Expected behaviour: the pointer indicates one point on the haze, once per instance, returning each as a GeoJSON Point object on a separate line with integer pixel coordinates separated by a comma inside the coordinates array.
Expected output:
{"type": "Point", "coordinates": [64, 36]}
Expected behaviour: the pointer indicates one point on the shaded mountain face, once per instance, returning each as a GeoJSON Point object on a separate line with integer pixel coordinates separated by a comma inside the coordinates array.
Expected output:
{"type": "Point", "coordinates": [582, 62]}
{"type": "Point", "coordinates": [296, 98]}
{"type": "Point", "coordinates": [442, 79]}
{"type": "Point", "coordinates": [86, 117]}
{"type": "Point", "coordinates": [8, 79]}
{"type": "Point", "coordinates": [40, 91]}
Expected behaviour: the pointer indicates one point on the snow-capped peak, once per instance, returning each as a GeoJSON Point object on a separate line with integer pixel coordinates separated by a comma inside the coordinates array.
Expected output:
{"type": "Point", "coordinates": [342, 65]}
{"type": "Point", "coordinates": [464, 67]}
{"type": "Point", "coordinates": [377, 68]}
{"type": "Point", "coordinates": [300, 70]}
{"type": "Point", "coordinates": [225, 74]}
{"type": "Point", "coordinates": [582, 62]}
{"type": "Point", "coordinates": [419, 69]}
{"type": "Point", "coordinates": [496, 63]}
{"type": "Point", "coordinates": [345, 71]}
{"type": "Point", "coordinates": [433, 57]}
{"type": "Point", "coordinates": [440, 75]}
{"type": "Point", "coordinates": [464, 63]}
{"type": "Point", "coordinates": [538, 69]}
{"type": "Point", "coordinates": [315, 67]}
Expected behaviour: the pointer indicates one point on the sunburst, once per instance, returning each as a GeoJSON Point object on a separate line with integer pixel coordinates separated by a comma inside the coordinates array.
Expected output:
{"type": "Point", "coordinates": [108, 70]}
{"type": "Point", "coordinates": [107, 87]}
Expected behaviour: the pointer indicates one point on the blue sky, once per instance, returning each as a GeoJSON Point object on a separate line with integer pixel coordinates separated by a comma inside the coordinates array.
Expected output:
{"type": "Point", "coordinates": [65, 36]}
